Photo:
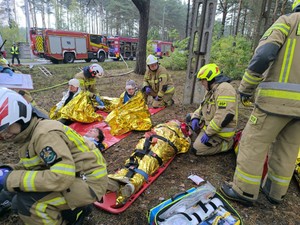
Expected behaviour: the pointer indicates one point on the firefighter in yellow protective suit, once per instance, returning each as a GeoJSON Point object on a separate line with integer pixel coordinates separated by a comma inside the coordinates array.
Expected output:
{"type": "Point", "coordinates": [274, 126]}
{"type": "Point", "coordinates": [216, 118]}
{"type": "Point", "coordinates": [158, 83]}
{"type": "Point", "coordinates": [58, 170]}
{"type": "Point", "coordinates": [87, 78]}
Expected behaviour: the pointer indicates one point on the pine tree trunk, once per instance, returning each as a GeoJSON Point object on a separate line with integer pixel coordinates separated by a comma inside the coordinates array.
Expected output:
{"type": "Point", "coordinates": [144, 8]}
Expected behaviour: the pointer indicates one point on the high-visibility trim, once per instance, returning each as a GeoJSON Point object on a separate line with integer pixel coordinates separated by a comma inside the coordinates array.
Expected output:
{"type": "Point", "coordinates": [34, 161]}
{"type": "Point", "coordinates": [288, 95]}
{"type": "Point", "coordinates": [169, 90]}
{"type": "Point", "coordinates": [84, 82]}
{"type": "Point", "coordinates": [280, 180]}
{"type": "Point", "coordinates": [280, 86]}
{"type": "Point", "coordinates": [282, 27]}
{"type": "Point", "coordinates": [62, 168]}
{"type": "Point", "coordinates": [42, 206]}
{"type": "Point", "coordinates": [246, 177]}
{"type": "Point", "coordinates": [97, 174]}
{"type": "Point", "coordinates": [28, 180]}
{"type": "Point", "coordinates": [215, 126]}
{"type": "Point", "coordinates": [248, 78]}
{"type": "Point", "coordinates": [226, 98]}
{"type": "Point", "coordinates": [222, 132]}
{"type": "Point", "coordinates": [76, 139]}
{"type": "Point", "coordinates": [287, 60]}
{"type": "Point", "coordinates": [227, 134]}
{"type": "Point", "coordinates": [100, 159]}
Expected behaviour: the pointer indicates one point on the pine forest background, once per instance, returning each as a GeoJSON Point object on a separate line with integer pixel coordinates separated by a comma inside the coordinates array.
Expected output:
{"type": "Point", "coordinates": [239, 24]}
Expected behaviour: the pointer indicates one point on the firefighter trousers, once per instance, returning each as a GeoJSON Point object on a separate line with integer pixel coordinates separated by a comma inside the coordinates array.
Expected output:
{"type": "Point", "coordinates": [215, 145]}
{"type": "Point", "coordinates": [45, 208]}
{"type": "Point", "coordinates": [265, 134]}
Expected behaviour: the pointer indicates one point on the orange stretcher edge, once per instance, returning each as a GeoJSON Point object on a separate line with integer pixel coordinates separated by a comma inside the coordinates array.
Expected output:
{"type": "Point", "coordinates": [109, 199]}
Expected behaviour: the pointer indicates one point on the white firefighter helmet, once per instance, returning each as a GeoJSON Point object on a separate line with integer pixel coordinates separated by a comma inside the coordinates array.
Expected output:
{"type": "Point", "coordinates": [13, 108]}
{"type": "Point", "coordinates": [151, 59]}
{"type": "Point", "coordinates": [96, 70]}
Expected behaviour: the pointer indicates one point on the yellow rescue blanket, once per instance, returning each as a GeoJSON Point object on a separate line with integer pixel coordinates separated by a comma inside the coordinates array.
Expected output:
{"type": "Point", "coordinates": [133, 115]}
{"type": "Point", "coordinates": [80, 109]}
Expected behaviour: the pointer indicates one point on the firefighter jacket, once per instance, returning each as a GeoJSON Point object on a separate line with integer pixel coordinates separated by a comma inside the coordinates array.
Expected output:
{"type": "Point", "coordinates": [218, 111]}
{"type": "Point", "coordinates": [87, 84]}
{"type": "Point", "coordinates": [54, 158]}
{"type": "Point", "coordinates": [14, 50]}
{"type": "Point", "coordinates": [274, 68]}
{"type": "Point", "coordinates": [160, 81]}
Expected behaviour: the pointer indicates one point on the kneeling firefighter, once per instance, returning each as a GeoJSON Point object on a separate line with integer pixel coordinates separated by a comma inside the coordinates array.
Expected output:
{"type": "Point", "coordinates": [215, 121]}
{"type": "Point", "coordinates": [58, 169]}
{"type": "Point", "coordinates": [158, 84]}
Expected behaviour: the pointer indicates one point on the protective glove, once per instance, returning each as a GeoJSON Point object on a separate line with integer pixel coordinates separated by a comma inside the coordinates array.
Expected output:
{"type": "Point", "coordinates": [205, 138]}
{"type": "Point", "coordinates": [245, 99]}
{"type": "Point", "coordinates": [4, 171]}
{"type": "Point", "coordinates": [148, 90]}
{"type": "Point", "coordinates": [100, 102]}
{"type": "Point", "coordinates": [195, 124]}
{"type": "Point", "coordinates": [157, 98]}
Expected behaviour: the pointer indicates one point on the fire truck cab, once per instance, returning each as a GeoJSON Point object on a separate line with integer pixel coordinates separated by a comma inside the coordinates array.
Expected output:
{"type": "Point", "coordinates": [67, 46]}
{"type": "Point", "coordinates": [125, 47]}
{"type": "Point", "coordinates": [162, 48]}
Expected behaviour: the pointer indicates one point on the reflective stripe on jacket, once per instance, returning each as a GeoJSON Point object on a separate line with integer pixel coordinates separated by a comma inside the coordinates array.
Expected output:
{"type": "Point", "coordinates": [277, 87]}
{"type": "Point", "coordinates": [217, 104]}
{"type": "Point", "coordinates": [14, 50]}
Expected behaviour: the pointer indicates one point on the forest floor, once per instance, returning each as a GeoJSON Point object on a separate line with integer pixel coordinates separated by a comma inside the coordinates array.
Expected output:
{"type": "Point", "coordinates": [215, 169]}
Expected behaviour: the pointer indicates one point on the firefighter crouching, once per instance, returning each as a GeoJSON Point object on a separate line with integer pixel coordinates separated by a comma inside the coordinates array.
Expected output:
{"type": "Point", "coordinates": [58, 169]}
{"type": "Point", "coordinates": [158, 83]}
{"type": "Point", "coordinates": [215, 121]}
{"type": "Point", "coordinates": [274, 126]}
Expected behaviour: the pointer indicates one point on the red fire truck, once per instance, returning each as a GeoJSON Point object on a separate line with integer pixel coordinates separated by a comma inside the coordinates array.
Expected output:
{"type": "Point", "coordinates": [66, 46]}
{"type": "Point", "coordinates": [162, 48]}
{"type": "Point", "coordinates": [122, 46]}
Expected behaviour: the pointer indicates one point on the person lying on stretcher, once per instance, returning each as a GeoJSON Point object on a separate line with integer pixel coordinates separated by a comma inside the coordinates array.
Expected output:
{"type": "Point", "coordinates": [157, 147]}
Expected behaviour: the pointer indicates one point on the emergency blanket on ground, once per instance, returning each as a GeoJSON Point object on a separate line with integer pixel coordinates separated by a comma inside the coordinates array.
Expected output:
{"type": "Point", "coordinates": [133, 115]}
{"type": "Point", "coordinates": [110, 139]}
{"type": "Point", "coordinates": [80, 109]}
{"type": "Point", "coordinates": [153, 152]}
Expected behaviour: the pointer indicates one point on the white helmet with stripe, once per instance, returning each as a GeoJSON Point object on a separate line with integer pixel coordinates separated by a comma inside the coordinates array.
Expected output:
{"type": "Point", "coordinates": [13, 108]}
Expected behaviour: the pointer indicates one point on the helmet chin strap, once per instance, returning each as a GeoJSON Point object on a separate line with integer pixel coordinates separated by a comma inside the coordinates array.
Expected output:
{"type": "Point", "coordinates": [23, 125]}
{"type": "Point", "coordinates": [155, 69]}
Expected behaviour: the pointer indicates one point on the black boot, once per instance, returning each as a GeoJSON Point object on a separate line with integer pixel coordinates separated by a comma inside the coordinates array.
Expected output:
{"type": "Point", "coordinates": [270, 199]}
{"type": "Point", "coordinates": [76, 216]}
{"type": "Point", "coordinates": [228, 192]}
{"type": "Point", "coordinates": [5, 207]}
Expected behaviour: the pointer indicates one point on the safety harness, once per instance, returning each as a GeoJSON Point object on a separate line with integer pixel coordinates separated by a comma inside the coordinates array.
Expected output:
{"type": "Point", "coordinates": [133, 164]}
